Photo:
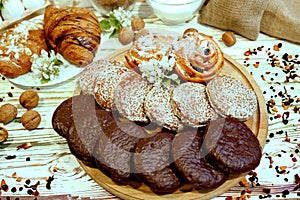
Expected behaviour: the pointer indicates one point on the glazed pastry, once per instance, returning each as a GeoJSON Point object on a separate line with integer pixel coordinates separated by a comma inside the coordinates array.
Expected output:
{"type": "Point", "coordinates": [231, 145]}
{"type": "Point", "coordinates": [231, 98]}
{"type": "Point", "coordinates": [113, 152]}
{"type": "Point", "coordinates": [130, 96]}
{"type": "Point", "coordinates": [152, 163]}
{"type": "Point", "coordinates": [78, 120]}
{"type": "Point", "coordinates": [17, 45]}
{"type": "Point", "coordinates": [69, 109]}
{"type": "Point", "coordinates": [73, 32]}
{"type": "Point", "coordinates": [198, 57]}
{"type": "Point", "coordinates": [148, 46]}
{"type": "Point", "coordinates": [159, 109]}
{"type": "Point", "coordinates": [190, 103]}
{"type": "Point", "coordinates": [106, 81]}
{"type": "Point", "coordinates": [189, 159]}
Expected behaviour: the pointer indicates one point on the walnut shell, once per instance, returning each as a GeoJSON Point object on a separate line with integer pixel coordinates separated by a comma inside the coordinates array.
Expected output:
{"type": "Point", "coordinates": [31, 119]}
{"type": "Point", "coordinates": [29, 99]}
{"type": "Point", "coordinates": [3, 134]}
{"type": "Point", "coordinates": [8, 112]}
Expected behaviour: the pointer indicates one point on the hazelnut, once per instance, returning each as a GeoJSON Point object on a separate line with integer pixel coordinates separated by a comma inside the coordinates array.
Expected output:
{"type": "Point", "coordinates": [126, 35]}
{"type": "Point", "coordinates": [31, 119]}
{"type": "Point", "coordinates": [3, 134]}
{"type": "Point", "coordinates": [229, 38]}
{"type": "Point", "coordinates": [29, 99]}
{"type": "Point", "coordinates": [137, 24]}
{"type": "Point", "coordinates": [8, 112]}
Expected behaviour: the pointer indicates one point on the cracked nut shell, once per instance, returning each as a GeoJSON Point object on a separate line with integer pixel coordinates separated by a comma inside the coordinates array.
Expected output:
{"type": "Point", "coordinates": [3, 134]}
{"type": "Point", "coordinates": [8, 112]}
{"type": "Point", "coordinates": [31, 119]}
{"type": "Point", "coordinates": [29, 99]}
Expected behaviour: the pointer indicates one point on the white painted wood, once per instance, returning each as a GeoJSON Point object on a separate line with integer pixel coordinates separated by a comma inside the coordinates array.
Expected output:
{"type": "Point", "coordinates": [49, 154]}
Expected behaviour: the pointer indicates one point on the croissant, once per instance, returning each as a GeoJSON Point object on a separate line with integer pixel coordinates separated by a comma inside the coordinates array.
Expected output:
{"type": "Point", "coordinates": [73, 32]}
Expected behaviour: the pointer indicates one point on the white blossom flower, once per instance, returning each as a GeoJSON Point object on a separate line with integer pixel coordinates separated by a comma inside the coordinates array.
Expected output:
{"type": "Point", "coordinates": [123, 16]}
{"type": "Point", "coordinates": [159, 72]}
{"type": "Point", "coordinates": [46, 66]}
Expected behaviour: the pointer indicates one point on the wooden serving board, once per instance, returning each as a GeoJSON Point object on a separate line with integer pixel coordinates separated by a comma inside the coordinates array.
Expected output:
{"type": "Point", "coordinates": [258, 123]}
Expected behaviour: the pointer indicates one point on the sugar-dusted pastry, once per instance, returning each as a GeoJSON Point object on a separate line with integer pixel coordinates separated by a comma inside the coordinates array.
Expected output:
{"type": "Point", "coordinates": [130, 96]}
{"type": "Point", "coordinates": [17, 45]}
{"type": "Point", "coordinates": [159, 109]}
{"type": "Point", "coordinates": [198, 56]}
{"type": "Point", "coordinates": [73, 32]}
{"type": "Point", "coordinates": [231, 98]}
{"type": "Point", "coordinates": [190, 103]}
{"type": "Point", "coordinates": [106, 81]}
{"type": "Point", "coordinates": [90, 72]}
{"type": "Point", "coordinates": [148, 46]}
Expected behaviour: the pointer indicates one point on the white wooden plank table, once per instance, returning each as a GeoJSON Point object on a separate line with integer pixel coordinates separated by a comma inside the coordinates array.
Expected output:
{"type": "Point", "coordinates": [49, 155]}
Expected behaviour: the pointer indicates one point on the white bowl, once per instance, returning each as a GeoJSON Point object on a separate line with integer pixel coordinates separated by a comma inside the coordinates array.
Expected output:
{"type": "Point", "coordinates": [174, 12]}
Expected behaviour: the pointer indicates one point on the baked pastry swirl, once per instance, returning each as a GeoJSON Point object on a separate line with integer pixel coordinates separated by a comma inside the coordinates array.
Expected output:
{"type": "Point", "coordinates": [198, 57]}
{"type": "Point", "coordinates": [147, 47]}
{"type": "Point", "coordinates": [73, 32]}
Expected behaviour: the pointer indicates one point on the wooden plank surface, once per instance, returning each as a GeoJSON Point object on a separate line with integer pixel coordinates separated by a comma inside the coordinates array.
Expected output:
{"type": "Point", "coordinates": [50, 156]}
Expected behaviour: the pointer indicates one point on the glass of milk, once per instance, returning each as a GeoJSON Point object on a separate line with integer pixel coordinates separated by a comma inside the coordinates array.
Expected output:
{"type": "Point", "coordinates": [173, 12]}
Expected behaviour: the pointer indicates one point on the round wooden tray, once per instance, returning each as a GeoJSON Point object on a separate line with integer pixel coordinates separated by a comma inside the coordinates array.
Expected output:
{"type": "Point", "coordinates": [258, 123]}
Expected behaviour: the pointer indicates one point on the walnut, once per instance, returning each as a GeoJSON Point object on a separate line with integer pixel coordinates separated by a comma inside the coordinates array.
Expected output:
{"type": "Point", "coordinates": [8, 112]}
{"type": "Point", "coordinates": [31, 119]}
{"type": "Point", "coordinates": [3, 134]}
{"type": "Point", "coordinates": [29, 99]}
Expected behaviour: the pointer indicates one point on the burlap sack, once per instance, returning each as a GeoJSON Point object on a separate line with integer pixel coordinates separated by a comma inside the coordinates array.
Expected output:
{"type": "Point", "coordinates": [277, 18]}
{"type": "Point", "coordinates": [282, 19]}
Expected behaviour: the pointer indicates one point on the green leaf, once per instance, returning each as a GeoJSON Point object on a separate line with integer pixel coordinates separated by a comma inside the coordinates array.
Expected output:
{"type": "Point", "coordinates": [44, 80]}
{"type": "Point", "coordinates": [17, 120]}
{"type": "Point", "coordinates": [166, 82]}
{"type": "Point", "coordinates": [114, 33]}
{"type": "Point", "coordinates": [105, 24]}
{"type": "Point", "coordinates": [111, 15]}
{"type": "Point", "coordinates": [57, 62]}
{"type": "Point", "coordinates": [1, 5]}
{"type": "Point", "coordinates": [115, 23]}
{"type": "Point", "coordinates": [177, 81]}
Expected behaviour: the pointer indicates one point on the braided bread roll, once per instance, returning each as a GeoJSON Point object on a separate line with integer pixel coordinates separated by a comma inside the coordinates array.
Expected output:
{"type": "Point", "coordinates": [73, 32]}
